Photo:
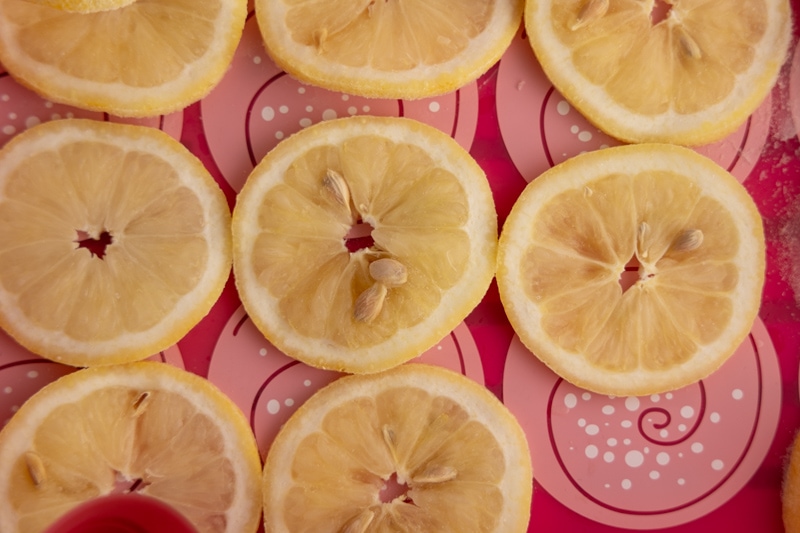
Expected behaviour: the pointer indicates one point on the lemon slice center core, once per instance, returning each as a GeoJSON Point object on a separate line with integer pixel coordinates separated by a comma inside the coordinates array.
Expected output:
{"type": "Point", "coordinates": [359, 237]}
{"type": "Point", "coordinates": [393, 490]}
{"type": "Point", "coordinates": [660, 12]}
{"type": "Point", "coordinates": [96, 245]}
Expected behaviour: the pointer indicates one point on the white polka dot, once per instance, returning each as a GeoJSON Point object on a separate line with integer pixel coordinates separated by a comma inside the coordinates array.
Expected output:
{"type": "Point", "coordinates": [632, 403]}
{"type": "Point", "coordinates": [612, 442]}
{"type": "Point", "coordinates": [608, 457]}
{"type": "Point", "coordinates": [33, 374]}
{"type": "Point", "coordinates": [626, 442]}
{"type": "Point", "coordinates": [262, 352]}
{"type": "Point", "coordinates": [329, 114]}
{"type": "Point", "coordinates": [8, 390]}
{"type": "Point", "coordinates": [562, 107]}
{"type": "Point", "coordinates": [309, 108]}
{"type": "Point", "coordinates": [584, 136]}
{"type": "Point", "coordinates": [9, 129]}
{"type": "Point", "coordinates": [737, 394]}
{"type": "Point", "coordinates": [697, 447]}
{"type": "Point", "coordinates": [681, 481]}
{"type": "Point", "coordinates": [687, 411]}
{"type": "Point", "coordinates": [365, 109]}
{"type": "Point", "coordinates": [301, 90]}
{"type": "Point", "coordinates": [345, 97]}
{"type": "Point", "coordinates": [717, 464]}
{"type": "Point", "coordinates": [352, 110]}
{"type": "Point", "coordinates": [668, 395]}
{"type": "Point", "coordinates": [279, 135]}
{"type": "Point", "coordinates": [273, 406]}
{"type": "Point", "coordinates": [288, 402]}
{"type": "Point", "coordinates": [654, 474]}
{"type": "Point", "coordinates": [592, 429]}
{"type": "Point", "coordinates": [32, 121]}
{"type": "Point", "coordinates": [634, 459]}
{"type": "Point", "coordinates": [307, 383]}
{"type": "Point", "coordinates": [284, 109]}
{"type": "Point", "coordinates": [626, 423]}
{"type": "Point", "coordinates": [663, 433]}
{"type": "Point", "coordinates": [570, 400]}
{"type": "Point", "coordinates": [581, 422]}
{"type": "Point", "coordinates": [433, 107]}
{"type": "Point", "coordinates": [70, 114]}
{"type": "Point", "coordinates": [714, 417]}
{"type": "Point", "coordinates": [14, 408]}
{"type": "Point", "coordinates": [12, 116]}
{"type": "Point", "coordinates": [586, 396]}
{"type": "Point", "coordinates": [591, 451]}
{"type": "Point", "coordinates": [662, 458]}
{"type": "Point", "coordinates": [5, 97]}
{"type": "Point", "coordinates": [574, 129]}
{"type": "Point", "coordinates": [267, 113]}
{"type": "Point", "coordinates": [257, 60]}
{"type": "Point", "coordinates": [655, 398]}
{"type": "Point", "coordinates": [681, 427]}
{"type": "Point", "coordinates": [626, 484]}
{"type": "Point", "coordinates": [608, 409]}
{"type": "Point", "coordinates": [305, 122]}
{"type": "Point", "coordinates": [646, 450]}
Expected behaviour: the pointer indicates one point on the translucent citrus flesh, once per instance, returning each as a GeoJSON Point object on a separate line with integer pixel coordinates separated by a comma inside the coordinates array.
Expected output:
{"type": "Point", "coordinates": [461, 459]}
{"type": "Point", "coordinates": [131, 427]}
{"type": "Point", "coordinates": [147, 58]}
{"type": "Point", "coordinates": [718, 58]}
{"type": "Point", "coordinates": [84, 6]}
{"type": "Point", "coordinates": [419, 212]}
{"type": "Point", "coordinates": [683, 298]}
{"type": "Point", "coordinates": [398, 49]}
{"type": "Point", "coordinates": [167, 220]}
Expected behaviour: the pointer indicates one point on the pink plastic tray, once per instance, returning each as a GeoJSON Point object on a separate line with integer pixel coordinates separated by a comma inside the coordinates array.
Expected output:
{"type": "Point", "coordinates": [703, 458]}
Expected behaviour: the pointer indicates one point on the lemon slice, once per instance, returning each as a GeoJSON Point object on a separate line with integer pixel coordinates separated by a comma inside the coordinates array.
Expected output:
{"type": "Point", "coordinates": [686, 231]}
{"type": "Point", "coordinates": [374, 48]}
{"type": "Point", "coordinates": [148, 58]}
{"type": "Point", "coordinates": [452, 457]}
{"type": "Point", "coordinates": [790, 493]}
{"type": "Point", "coordinates": [84, 6]}
{"type": "Point", "coordinates": [114, 241]}
{"type": "Point", "coordinates": [427, 254]}
{"type": "Point", "coordinates": [144, 427]}
{"type": "Point", "coordinates": [681, 71]}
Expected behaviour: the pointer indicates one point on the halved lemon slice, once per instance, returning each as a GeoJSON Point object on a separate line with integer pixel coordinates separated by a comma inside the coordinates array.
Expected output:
{"type": "Point", "coordinates": [375, 48]}
{"type": "Point", "coordinates": [415, 448]}
{"type": "Point", "coordinates": [144, 427]}
{"type": "Point", "coordinates": [633, 270]}
{"type": "Point", "coordinates": [679, 71]}
{"type": "Point", "coordinates": [425, 257]}
{"type": "Point", "coordinates": [148, 58]}
{"type": "Point", "coordinates": [114, 241]}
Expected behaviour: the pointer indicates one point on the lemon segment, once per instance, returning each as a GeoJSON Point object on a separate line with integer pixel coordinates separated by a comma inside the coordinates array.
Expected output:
{"type": "Point", "coordinates": [410, 49]}
{"type": "Point", "coordinates": [684, 229]}
{"type": "Point", "coordinates": [690, 78]}
{"type": "Point", "coordinates": [425, 205]}
{"type": "Point", "coordinates": [68, 182]}
{"type": "Point", "coordinates": [147, 427]}
{"type": "Point", "coordinates": [458, 456]}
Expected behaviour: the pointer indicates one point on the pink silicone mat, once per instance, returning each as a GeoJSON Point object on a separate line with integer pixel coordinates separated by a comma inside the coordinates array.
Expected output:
{"type": "Point", "coordinates": [704, 458]}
